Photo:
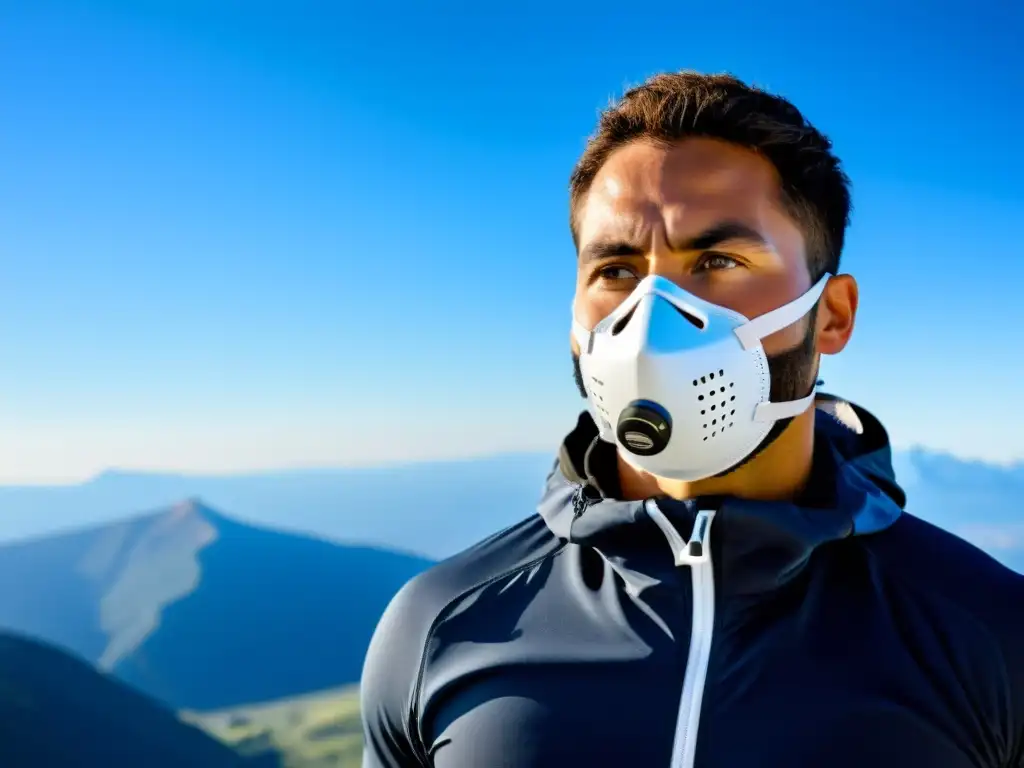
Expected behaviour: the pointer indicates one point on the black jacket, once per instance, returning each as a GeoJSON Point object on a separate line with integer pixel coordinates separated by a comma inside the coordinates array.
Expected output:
{"type": "Point", "coordinates": [839, 632]}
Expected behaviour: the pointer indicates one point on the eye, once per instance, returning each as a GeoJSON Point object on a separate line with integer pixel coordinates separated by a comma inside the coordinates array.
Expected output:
{"type": "Point", "coordinates": [714, 262]}
{"type": "Point", "coordinates": [614, 273]}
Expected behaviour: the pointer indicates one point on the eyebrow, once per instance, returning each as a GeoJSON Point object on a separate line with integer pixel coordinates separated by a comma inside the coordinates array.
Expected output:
{"type": "Point", "coordinates": [723, 232]}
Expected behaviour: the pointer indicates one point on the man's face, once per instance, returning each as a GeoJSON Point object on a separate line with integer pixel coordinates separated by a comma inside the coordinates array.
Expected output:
{"type": "Point", "coordinates": [706, 215]}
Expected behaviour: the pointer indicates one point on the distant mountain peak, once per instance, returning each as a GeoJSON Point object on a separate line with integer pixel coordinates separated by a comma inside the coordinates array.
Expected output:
{"type": "Point", "coordinates": [195, 507]}
{"type": "Point", "coordinates": [161, 550]}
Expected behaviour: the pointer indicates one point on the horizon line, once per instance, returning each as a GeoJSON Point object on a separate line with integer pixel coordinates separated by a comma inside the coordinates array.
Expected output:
{"type": "Point", "coordinates": [282, 469]}
{"type": "Point", "coordinates": [313, 469]}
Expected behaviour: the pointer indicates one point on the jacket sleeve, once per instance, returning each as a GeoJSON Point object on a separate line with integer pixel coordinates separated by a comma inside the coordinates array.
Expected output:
{"type": "Point", "coordinates": [388, 683]}
{"type": "Point", "coordinates": [1014, 648]}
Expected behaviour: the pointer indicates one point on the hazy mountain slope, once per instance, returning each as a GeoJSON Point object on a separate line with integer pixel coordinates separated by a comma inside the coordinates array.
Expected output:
{"type": "Point", "coordinates": [162, 598]}
{"type": "Point", "coordinates": [433, 508]}
{"type": "Point", "coordinates": [273, 615]}
{"type": "Point", "coordinates": [440, 508]}
{"type": "Point", "coordinates": [57, 711]}
{"type": "Point", "coordinates": [201, 611]}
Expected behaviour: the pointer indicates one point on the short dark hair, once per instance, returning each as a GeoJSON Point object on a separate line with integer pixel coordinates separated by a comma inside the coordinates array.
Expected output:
{"type": "Point", "coordinates": [673, 106]}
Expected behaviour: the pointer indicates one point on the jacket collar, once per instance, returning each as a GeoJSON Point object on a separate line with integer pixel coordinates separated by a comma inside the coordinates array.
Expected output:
{"type": "Point", "coordinates": [758, 545]}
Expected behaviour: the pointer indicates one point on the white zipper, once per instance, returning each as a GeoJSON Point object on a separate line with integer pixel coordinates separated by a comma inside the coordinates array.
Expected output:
{"type": "Point", "coordinates": [695, 553]}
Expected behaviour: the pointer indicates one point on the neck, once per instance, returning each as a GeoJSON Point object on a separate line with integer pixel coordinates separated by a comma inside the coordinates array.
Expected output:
{"type": "Point", "coordinates": [779, 473]}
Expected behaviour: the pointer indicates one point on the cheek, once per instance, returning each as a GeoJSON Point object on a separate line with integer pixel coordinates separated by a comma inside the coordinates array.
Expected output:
{"type": "Point", "coordinates": [766, 294]}
{"type": "Point", "coordinates": [787, 338]}
{"type": "Point", "coordinates": [593, 307]}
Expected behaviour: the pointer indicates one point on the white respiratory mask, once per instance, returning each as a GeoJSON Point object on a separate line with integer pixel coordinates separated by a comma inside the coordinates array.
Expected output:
{"type": "Point", "coordinates": [681, 385]}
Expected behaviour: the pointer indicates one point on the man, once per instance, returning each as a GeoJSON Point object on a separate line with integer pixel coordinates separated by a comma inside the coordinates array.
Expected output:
{"type": "Point", "coordinates": [720, 573]}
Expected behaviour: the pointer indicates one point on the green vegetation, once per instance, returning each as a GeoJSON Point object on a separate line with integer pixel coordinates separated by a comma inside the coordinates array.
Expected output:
{"type": "Point", "coordinates": [319, 730]}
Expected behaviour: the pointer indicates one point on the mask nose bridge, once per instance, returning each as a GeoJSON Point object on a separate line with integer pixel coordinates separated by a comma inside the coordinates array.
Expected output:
{"type": "Point", "coordinates": [621, 316]}
{"type": "Point", "coordinates": [690, 310]}
{"type": "Point", "coordinates": [647, 305]}
{"type": "Point", "coordinates": [651, 289]}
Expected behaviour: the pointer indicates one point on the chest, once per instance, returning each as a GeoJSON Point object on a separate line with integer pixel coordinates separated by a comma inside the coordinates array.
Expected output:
{"type": "Point", "coordinates": [552, 719]}
{"type": "Point", "coordinates": [788, 682]}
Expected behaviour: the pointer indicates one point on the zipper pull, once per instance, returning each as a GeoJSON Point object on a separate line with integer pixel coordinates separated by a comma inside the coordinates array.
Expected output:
{"type": "Point", "coordinates": [698, 548]}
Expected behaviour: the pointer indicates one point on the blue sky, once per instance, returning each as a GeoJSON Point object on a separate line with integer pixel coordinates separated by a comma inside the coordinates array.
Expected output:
{"type": "Point", "coordinates": [246, 235]}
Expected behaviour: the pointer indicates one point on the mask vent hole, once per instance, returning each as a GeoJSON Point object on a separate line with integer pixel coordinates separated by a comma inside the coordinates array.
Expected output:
{"type": "Point", "coordinates": [716, 391]}
{"type": "Point", "coordinates": [695, 321]}
{"type": "Point", "coordinates": [622, 322]}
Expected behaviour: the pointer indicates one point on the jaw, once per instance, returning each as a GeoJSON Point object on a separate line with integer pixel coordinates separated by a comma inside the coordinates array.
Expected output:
{"type": "Point", "coordinates": [780, 472]}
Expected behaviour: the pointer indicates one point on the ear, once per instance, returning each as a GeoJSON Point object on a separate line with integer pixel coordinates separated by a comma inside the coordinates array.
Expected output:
{"type": "Point", "coordinates": [837, 313]}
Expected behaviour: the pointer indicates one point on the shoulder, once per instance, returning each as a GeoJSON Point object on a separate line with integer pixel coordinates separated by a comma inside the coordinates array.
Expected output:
{"type": "Point", "coordinates": [970, 599]}
{"type": "Point", "coordinates": [425, 598]}
{"type": "Point", "coordinates": [924, 556]}
{"type": "Point", "coordinates": [391, 671]}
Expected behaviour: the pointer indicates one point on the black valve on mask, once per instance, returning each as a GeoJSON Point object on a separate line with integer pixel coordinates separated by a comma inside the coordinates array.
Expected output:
{"type": "Point", "coordinates": [644, 428]}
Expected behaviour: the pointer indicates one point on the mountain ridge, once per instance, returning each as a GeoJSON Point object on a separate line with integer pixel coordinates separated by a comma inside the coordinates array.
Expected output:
{"type": "Point", "coordinates": [158, 596]}
{"type": "Point", "coordinates": [438, 508]}
{"type": "Point", "coordinates": [57, 710]}
{"type": "Point", "coordinates": [431, 509]}
{"type": "Point", "coordinates": [206, 609]}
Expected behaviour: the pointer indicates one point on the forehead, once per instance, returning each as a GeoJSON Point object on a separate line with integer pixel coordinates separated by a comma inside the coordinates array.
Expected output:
{"type": "Point", "coordinates": [681, 188]}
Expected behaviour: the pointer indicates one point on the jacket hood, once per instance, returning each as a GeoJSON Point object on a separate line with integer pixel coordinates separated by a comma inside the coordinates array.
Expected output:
{"type": "Point", "coordinates": [762, 542]}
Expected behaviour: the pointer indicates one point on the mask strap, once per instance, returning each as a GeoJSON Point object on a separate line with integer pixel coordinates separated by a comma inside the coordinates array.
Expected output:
{"type": "Point", "coordinates": [772, 412]}
{"type": "Point", "coordinates": [582, 335]}
{"type": "Point", "coordinates": [751, 332]}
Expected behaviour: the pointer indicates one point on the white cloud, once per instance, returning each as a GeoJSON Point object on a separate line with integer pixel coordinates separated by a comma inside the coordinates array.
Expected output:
{"type": "Point", "coordinates": [994, 538]}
